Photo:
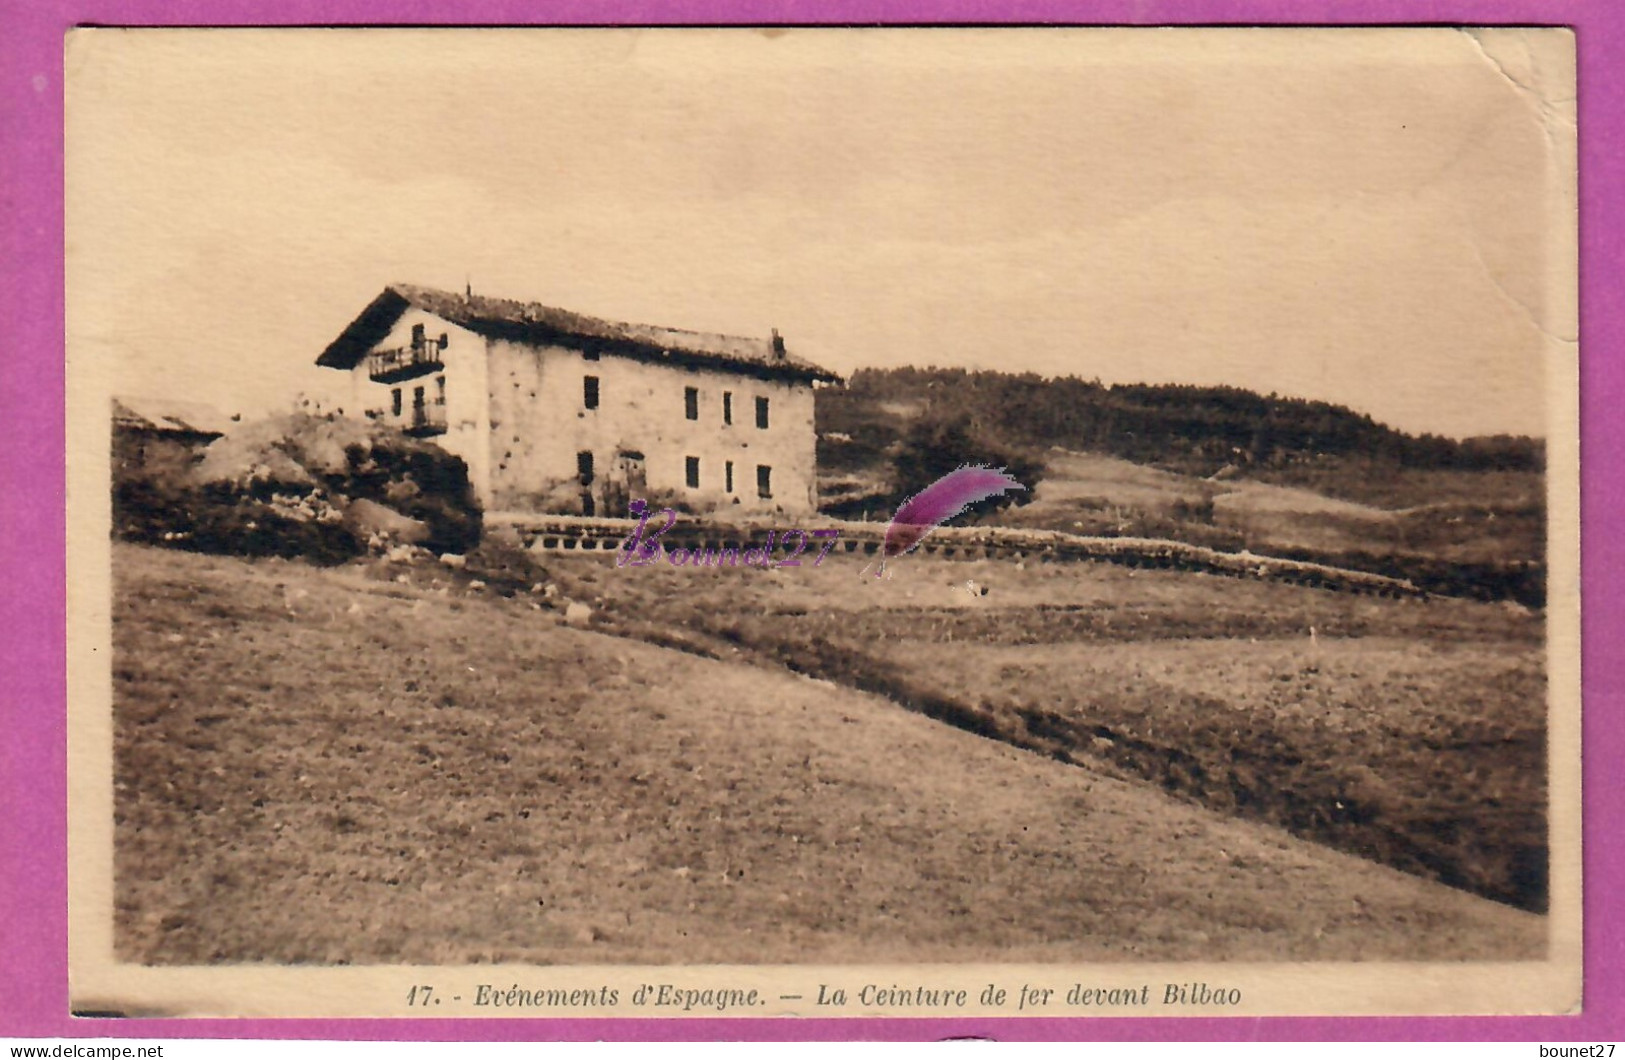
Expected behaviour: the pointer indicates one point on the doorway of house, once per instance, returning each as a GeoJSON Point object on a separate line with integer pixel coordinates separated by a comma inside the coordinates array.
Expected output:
{"type": "Point", "coordinates": [584, 475]}
{"type": "Point", "coordinates": [629, 481]}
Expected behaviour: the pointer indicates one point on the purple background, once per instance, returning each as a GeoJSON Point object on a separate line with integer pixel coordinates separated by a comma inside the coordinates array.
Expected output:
{"type": "Point", "coordinates": [33, 846]}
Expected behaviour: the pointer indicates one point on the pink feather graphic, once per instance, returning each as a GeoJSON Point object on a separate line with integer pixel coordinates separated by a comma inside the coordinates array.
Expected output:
{"type": "Point", "coordinates": [945, 498]}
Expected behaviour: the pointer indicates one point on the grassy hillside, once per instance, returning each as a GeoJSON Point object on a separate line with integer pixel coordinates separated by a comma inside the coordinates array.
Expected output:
{"type": "Point", "coordinates": [330, 765]}
{"type": "Point", "coordinates": [1409, 731]}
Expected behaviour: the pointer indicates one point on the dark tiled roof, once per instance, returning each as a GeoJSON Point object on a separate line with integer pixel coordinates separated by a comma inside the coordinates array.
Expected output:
{"type": "Point", "coordinates": [540, 325]}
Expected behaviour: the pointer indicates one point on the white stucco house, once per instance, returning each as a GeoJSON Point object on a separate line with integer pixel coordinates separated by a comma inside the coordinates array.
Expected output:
{"type": "Point", "coordinates": [558, 412]}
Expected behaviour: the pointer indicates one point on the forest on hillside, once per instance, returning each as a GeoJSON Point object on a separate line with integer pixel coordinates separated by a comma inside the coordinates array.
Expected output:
{"type": "Point", "coordinates": [1458, 516]}
{"type": "Point", "coordinates": [1192, 429]}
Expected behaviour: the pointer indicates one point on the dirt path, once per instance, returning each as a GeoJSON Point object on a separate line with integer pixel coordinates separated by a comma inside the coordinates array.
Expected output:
{"type": "Point", "coordinates": [317, 767]}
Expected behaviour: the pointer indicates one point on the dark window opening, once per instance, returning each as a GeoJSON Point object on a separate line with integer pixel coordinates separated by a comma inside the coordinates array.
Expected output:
{"type": "Point", "coordinates": [761, 413]}
{"type": "Point", "coordinates": [439, 390]}
{"type": "Point", "coordinates": [395, 401]}
{"type": "Point", "coordinates": [728, 476]}
{"type": "Point", "coordinates": [691, 402]}
{"type": "Point", "coordinates": [589, 391]}
{"type": "Point", "coordinates": [692, 471]}
{"type": "Point", "coordinates": [417, 336]}
{"type": "Point", "coordinates": [727, 406]}
{"type": "Point", "coordinates": [584, 468]}
{"type": "Point", "coordinates": [764, 481]}
{"type": "Point", "coordinates": [588, 505]}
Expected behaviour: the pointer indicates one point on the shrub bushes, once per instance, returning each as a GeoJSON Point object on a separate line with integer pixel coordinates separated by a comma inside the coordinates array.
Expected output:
{"type": "Point", "coordinates": [280, 487]}
{"type": "Point", "coordinates": [935, 446]}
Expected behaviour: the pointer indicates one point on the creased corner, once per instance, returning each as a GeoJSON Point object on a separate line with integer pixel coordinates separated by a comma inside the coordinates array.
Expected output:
{"type": "Point", "coordinates": [1539, 65]}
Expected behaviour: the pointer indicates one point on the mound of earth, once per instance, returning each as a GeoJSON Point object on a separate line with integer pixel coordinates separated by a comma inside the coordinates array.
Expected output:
{"type": "Point", "coordinates": [327, 488]}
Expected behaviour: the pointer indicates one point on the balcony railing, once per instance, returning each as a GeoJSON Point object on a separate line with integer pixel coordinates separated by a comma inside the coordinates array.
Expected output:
{"type": "Point", "coordinates": [426, 419]}
{"type": "Point", "coordinates": [404, 362]}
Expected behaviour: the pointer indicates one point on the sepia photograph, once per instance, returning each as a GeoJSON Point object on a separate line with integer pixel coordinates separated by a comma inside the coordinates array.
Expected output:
{"type": "Point", "coordinates": [823, 522]}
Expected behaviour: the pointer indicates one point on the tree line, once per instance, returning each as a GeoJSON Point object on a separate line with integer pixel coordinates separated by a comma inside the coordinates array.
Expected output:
{"type": "Point", "coordinates": [1196, 429]}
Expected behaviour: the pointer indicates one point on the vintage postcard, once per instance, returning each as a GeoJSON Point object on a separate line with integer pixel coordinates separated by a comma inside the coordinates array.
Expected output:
{"type": "Point", "coordinates": [823, 522]}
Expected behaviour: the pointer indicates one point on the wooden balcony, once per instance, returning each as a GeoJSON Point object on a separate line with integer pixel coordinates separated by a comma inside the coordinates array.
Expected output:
{"type": "Point", "coordinates": [425, 420]}
{"type": "Point", "coordinates": [404, 362]}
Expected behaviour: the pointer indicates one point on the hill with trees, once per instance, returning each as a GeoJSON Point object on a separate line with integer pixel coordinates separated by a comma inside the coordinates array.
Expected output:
{"type": "Point", "coordinates": [1239, 470]}
{"type": "Point", "coordinates": [1200, 430]}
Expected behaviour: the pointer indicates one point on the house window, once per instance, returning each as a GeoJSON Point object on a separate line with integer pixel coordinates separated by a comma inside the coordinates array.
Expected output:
{"type": "Point", "coordinates": [395, 401]}
{"type": "Point", "coordinates": [761, 413]}
{"type": "Point", "coordinates": [417, 336]}
{"type": "Point", "coordinates": [691, 402]}
{"type": "Point", "coordinates": [692, 472]}
{"type": "Point", "coordinates": [584, 468]}
{"type": "Point", "coordinates": [764, 481]}
{"type": "Point", "coordinates": [589, 391]}
{"type": "Point", "coordinates": [439, 390]}
{"type": "Point", "coordinates": [727, 406]}
{"type": "Point", "coordinates": [728, 476]}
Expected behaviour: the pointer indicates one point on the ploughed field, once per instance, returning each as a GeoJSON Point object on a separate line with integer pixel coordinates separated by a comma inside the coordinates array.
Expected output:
{"type": "Point", "coordinates": [330, 765]}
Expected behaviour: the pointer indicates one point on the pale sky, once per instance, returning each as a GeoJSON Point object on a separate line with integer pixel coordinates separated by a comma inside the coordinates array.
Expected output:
{"type": "Point", "coordinates": [1377, 218]}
